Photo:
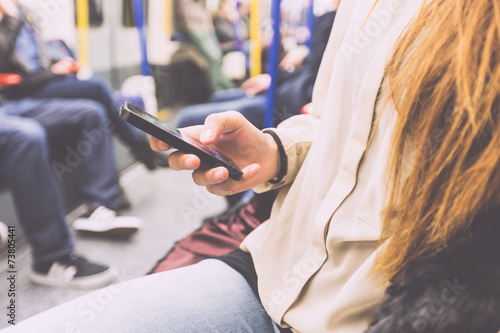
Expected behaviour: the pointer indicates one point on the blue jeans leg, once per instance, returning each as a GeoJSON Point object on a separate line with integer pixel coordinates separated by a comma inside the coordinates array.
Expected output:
{"type": "Point", "coordinates": [227, 95]}
{"type": "Point", "coordinates": [24, 157]}
{"type": "Point", "coordinates": [71, 88]}
{"type": "Point", "coordinates": [252, 108]}
{"type": "Point", "coordinates": [206, 297]}
{"type": "Point", "coordinates": [91, 150]}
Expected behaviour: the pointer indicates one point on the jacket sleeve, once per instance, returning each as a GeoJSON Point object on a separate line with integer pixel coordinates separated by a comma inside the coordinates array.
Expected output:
{"type": "Point", "coordinates": [9, 29]}
{"type": "Point", "coordinates": [297, 132]}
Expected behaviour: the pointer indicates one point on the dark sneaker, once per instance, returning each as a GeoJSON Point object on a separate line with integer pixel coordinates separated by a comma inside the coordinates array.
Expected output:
{"type": "Point", "coordinates": [72, 271]}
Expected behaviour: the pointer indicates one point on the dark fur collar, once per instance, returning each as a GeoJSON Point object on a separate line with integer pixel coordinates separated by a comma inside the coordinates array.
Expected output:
{"type": "Point", "coordinates": [456, 290]}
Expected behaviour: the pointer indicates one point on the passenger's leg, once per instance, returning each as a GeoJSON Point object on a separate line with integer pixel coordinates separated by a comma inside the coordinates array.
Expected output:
{"type": "Point", "coordinates": [227, 95]}
{"type": "Point", "coordinates": [70, 87]}
{"type": "Point", "coordinates": [250, 107]}
{"type": "Point", "coordinates": [25, 167]}
{"type": "Point", "coordinates": [92, 154]}
{"type": "Point", "coordinates": [99, 176]}
{"type": "Point", "coordinates": [206, 297]}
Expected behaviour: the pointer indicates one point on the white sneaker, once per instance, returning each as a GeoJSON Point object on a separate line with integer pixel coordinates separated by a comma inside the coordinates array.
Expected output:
{"type": "Point", "coordinates": [104, 220]}
{"type": "Point", "coordinates": [4, 235]}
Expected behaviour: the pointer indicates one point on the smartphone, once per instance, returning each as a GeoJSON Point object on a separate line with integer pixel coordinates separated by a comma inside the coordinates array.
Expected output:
{"type": "Point", "coordinates": [175, 138]}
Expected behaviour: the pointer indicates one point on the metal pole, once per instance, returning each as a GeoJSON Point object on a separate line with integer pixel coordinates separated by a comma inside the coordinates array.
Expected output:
{"type": "Point", "coordinates": [310, 23]}
{"type": "Point", "coordinates": [255, 43]}
{"type": "Point", "coordinates": [82, 22]}
{"type": "Point", "coordinates": [273, 61]}
{"type": "Point", "coordinates": [168, 18]}
{"type": "Point", "coordinates": [140, 24]}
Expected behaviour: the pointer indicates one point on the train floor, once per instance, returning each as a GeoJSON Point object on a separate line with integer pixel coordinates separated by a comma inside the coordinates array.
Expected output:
{"type": "Point", "coordinates": [170, 205]}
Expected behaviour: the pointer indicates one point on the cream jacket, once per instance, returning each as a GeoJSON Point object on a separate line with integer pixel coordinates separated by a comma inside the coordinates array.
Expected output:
{"type": "Point", "coordinates": [314, 255]}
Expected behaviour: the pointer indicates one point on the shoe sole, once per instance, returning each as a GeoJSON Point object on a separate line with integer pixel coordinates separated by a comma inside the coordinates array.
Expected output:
{"type": "Point", "coordinates": [116, 232]}
{"type": "Point", "coordinates": [122, 228]}
{"type": "Point", "coordinates": [93, 281]}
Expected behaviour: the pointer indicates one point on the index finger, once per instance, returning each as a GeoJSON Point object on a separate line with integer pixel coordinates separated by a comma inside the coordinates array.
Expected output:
{"type": "Point", "coordinates": [158, 145]}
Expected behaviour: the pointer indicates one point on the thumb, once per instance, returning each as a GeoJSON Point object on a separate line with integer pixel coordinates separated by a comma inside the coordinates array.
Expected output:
{"type": "Point", "coordinates": [221, 123]}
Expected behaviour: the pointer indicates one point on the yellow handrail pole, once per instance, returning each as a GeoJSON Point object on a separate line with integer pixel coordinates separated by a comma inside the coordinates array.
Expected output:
{"type": "Point", "coordinates": [82, 24]}
{"type": "Point", "coordinates": [255, 44]}
{"type": "Point", "coordinates": [168, 18]}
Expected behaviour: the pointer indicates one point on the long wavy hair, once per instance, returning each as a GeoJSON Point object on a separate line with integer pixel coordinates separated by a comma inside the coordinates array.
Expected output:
{"type": "Point", "coordinates": [444, 165]}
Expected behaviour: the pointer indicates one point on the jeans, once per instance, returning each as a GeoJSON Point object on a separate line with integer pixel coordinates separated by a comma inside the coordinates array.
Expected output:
{"type": "Point", "coordinates": [90, 150]}
{"type": "Point", "coordinates": [70, 87]}
{"type": "Point", "coordinates": [24, 166]}
{"type": "Point", "coordinates": [206, 297]}
{"type": "Point", "coordinates": [252, 108]}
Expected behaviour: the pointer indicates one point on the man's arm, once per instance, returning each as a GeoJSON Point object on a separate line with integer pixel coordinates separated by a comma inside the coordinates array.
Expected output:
{"type": "Point", "coordinates": [9, 29]}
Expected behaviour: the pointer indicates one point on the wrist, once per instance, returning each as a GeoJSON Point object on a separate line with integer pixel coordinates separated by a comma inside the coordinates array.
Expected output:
{"type": "Point", "coordinates": [273, 158]}
{"type": "Point", "coordinates": [280, 160]}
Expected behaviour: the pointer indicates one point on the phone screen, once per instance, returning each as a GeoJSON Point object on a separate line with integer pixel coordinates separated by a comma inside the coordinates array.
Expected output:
{"type": "Point", "coordinates": [158, 122]}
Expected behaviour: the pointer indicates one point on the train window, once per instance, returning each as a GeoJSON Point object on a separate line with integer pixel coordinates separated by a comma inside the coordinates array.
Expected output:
{"type": "Point", "coordinates": [128, 18]}
{"type": "Point", "coordinates": [96, 16]}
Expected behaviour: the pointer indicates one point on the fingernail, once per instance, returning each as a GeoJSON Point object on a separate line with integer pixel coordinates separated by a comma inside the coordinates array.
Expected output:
{"type": "Point", "coordinates": [207, 134]}
{"type": "Point", "coordinates": [219, 175]}
{"type": "Point", "coordinates": [190, 163]}
{"type": "Point", "coordinates": [253, 170]}
{"type": "Point", "coordinates": [162, 145]}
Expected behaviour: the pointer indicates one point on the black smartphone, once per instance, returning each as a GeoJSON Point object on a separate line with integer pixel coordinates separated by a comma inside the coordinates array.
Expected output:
{"type": "Point", "coordinates": [172, 136]}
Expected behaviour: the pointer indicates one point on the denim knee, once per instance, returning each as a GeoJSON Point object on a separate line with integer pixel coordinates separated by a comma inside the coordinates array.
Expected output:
{"type": "Point", "coordinates": [23, 140]}
{"type": "Point", "coordinates": [28, 134]}
{"type": "Point", "coordinates": [97, 86]}
{"type": "Point", "coordinates": [93, 114]}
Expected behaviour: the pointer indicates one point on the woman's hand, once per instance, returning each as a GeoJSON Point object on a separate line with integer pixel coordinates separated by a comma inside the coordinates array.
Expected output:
{"type": "Point", "coordinates": [8, 7]}
{"type": "Point", "coordinates": [257, 84]}
{"type": "Point", "coordinates": [294, 58]}
{"type": "Point", "coordinates": [65, 66]}
{"type": "Point", "coordinates": [231, 134]}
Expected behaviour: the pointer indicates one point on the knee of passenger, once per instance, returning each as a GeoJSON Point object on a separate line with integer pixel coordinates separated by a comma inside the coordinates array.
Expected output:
{"type": "Point", "coordinates": [190, 116]}
{"type": "Point", "coordinates": [93, 111]}
{"type": "Point", "coordinates": [30, 132]}
{"type": "Point", "coordinates": [97, 86]}
{"type": "Point", "coordinates": [95, 115]}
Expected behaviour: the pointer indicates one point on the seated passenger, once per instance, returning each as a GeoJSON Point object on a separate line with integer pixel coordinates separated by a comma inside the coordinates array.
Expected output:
{"type": "Point", "coordinates": [293, 89]}
{"type": "Point", "coordinates": [21, 52]}
{"type": "Point", "coordinates": [225, 21]}
{"type": "Point", "coordinates": [24, 166]}
{"type": "Point", "coordinates": [194, 22]}
{"type": "Point", "coordinates": [84, 123]}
